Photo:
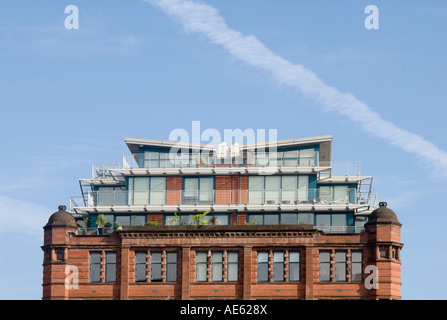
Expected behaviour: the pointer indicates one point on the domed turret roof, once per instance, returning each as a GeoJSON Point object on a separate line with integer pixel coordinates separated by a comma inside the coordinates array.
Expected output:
{"type": "Point", "coordinates": [383, 215]}
{"type": "Point", "coordinates": [61, 218]}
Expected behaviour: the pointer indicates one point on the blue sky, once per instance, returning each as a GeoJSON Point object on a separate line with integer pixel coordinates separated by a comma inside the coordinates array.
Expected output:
{"type": "Point", "coordinates": [134, 69]}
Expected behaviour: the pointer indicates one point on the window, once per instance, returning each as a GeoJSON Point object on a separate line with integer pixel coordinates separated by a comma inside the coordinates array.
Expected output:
{"type": "Point", "coordinates": [323, 222]}
{"type": "Point", "coordinates": [111, 196]}
{"type": "Point", "coordinates": [198, 190]}
{"type": "Point", "coordinates": [383, 252]}
{"type": "Point", "coordinates": [340, 266]}
{"type": "Point", "coordinates": [356, 266]}
{"type": "Point", "coordinates": [291, 189]}
{"type": "Point", "coordinates": [95, 267]}
{"type": "Point", "coordinates": [110, 267]}
{"type": "Point", "coordinates": [263, 267]}
{"type": "Point", "coordinates": [171, 266]}
{"type": "Point", "coordinates": [278, 266]}
{"type": "Point", "coordinates": [140, 266]}
{"type": "Point", "coordinates": [289, 218]}
{"type": "Point", "coordinates": [325, 266]}
{"type": "Point", "coordinates": [232, 266]}
{"type": "Point", "coordinates": [59, 254]}
{"type": "Point", "coordinates": [131, 220]}
{"type": "Point", "coordinates": [155, 266]}
{"type": "Point", "coordinates": [147, 190]}
{"type": "Point", "coordinates": [216, 266]}
{"type": "Point", "coordinates": [294, 266]}
{"type": "Point", "coordinates": [201, 264]}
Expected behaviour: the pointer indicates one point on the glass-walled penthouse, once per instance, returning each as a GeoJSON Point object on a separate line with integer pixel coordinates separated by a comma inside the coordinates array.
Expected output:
{"type": "Point", "coordinates": [152, 158]}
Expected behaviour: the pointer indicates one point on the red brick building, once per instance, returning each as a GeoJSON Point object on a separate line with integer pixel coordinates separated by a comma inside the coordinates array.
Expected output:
{"type": "Point", "coordinates": [306, 240]}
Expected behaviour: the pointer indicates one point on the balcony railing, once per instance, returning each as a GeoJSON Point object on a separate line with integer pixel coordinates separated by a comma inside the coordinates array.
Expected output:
{"type": "Point", "coordinates": [167, 160]}
{"type": "Point", "coordinates": [218, 197]}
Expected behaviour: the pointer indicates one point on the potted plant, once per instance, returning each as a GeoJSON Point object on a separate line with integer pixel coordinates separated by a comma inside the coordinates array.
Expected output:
{"type": "Point", "coordinates": [117, 226]}
{"type": "Point", "coordinates": [151, 223]}
{"type": "Point", "coordinates": [108, 228]}
{"type": "Point", "coordinates": [101, 222]}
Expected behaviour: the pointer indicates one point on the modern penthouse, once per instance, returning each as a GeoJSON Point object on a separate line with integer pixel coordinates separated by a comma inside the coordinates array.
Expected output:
{"type": "Point", "coordinates": [278, 220]}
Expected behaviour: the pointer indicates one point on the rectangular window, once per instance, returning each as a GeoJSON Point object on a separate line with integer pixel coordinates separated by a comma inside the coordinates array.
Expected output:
{"type": "Point", "coordinates": [278, 266]}
{"type": "Point", "coordinates": [157, 191]}
{"type": "Point", "coordinates": [201, 264]}
{"type": "Point", "coordinates": [59, 254]}
{"type": "Point", "coordinates": [216, 266]}
{"type": "Point", "coordinates": [340, 265]}
{"type": "Point", "coordinates": [324, 266]}
{"type": "Point", "coordinates": [289, 218]}
{"type": "Point", "coordinates": [95, 267]}
{"type": "Point", "coordinates": [263, 267]}
{"type": "Point", "coordinates": [323, 222]}
{"type": "Point", "coordinates": [140, 266]}
{"type": "Point", "coordinates": [198, 190]}
{"type": "Point", "coordinates": [255, 190]}
{"type": "Point", "coordinates": [232, 266]}
{"type": "Point", "coordinates": [171, 266]}
{"type": "Point", "coordinates": [155, 266]}
{"type": "Point", "coordinates": [110, 267]}
{"type": "Point", "coordinates": [356, 266]}
{"type": "Point", "coordinates": [294, 266]}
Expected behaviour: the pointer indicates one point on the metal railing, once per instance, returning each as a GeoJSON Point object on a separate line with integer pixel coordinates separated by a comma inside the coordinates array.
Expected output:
{"type": "Point", "coordinates": [327, 196]}
{"type": "Point", "coordinates": [196, 160]}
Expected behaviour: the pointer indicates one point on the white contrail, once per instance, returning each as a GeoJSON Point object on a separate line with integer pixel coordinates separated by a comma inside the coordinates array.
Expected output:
{"type": "Point", "coordinates": [205, 19]}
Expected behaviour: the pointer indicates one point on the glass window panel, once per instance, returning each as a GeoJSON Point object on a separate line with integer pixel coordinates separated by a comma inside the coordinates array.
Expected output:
{"type": "Point", "coordinates": [216, 266]}
{"type": "Point", "coordinates": [303, 186]}
{"type": "Point", "coordinates": [138, 220]}
{"type": "Point", "coordinates": [341, 194]}
{"type": "Point", "coordinates": [155, 266]}
{"type": "Point", "coordinates": [323, 222]}
{"type": "Point", "coordinates": [307, 218]}
{"type": "Point", "coordinates": [289, 183]}
{"type": "Point", "coordinates": [263, 257]}
{"type": "Point", "coordinates": [140, 266]}
{"type": "Point", "coordinates": [105, 196]}
{"type": "Point", "coordinates": [262, 268]}
{"type": "Point", "coordinates": [157, 190]}
{"type": "Point", "coordinates": [110, 267]}
{"type": "Point", "coordinates": [232, 267]}
{"type": "Point", "coordinates": [340, 266]}
{"type": "Point", "coordinates": [171, 266]}
{"type": "Point", "coordinates": [201, 264]}
{"type": "Point", "coordinates": [272, 183]}
{"type": "Point", "coordinates": [339, 222]}
{"type": "Point", "coordinates": [325, 194]}
{"type": "Point", "coordinates": [278, 266]}
{"type": "Point", "coordinates": [256, 219]}
{"type": "Point", "coordinates": [255, 183]}
{"type": "Point", "coordinates": [356, 266]}
{"type": "Point", "coordinates": [191, 194]}
{"type": "Point", "coordinates": [123, 220]}
{"type": "Point", "coordinates": [294, 257]}
{"type": "Point", "coordinates": [289, 218]}
{"type": "Point", "coordinates": [206, 190]}
{"type": "Point", "coordinates": [271, 218]}
{"type": "Point", "coordinates": [95, 267]}
{"type": "Point", "coordinates": [232, 257]}
{"type": "Point", "coordinates": [201, 257]}
{"type": "Point", "coordinates": [324, 266]}
{"type": "Point", "coordinates": [294, 266]}
{"type": "Point", "coordinates": [307, 157]}
{"type": "Point", "coordinates": [356, 256]}
{"type": "Point", "coordinates": [140, 190]}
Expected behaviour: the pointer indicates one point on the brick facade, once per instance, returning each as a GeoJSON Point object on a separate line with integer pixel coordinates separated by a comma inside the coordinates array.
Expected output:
{"type": "Point", "coordinates": [65, 251]}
